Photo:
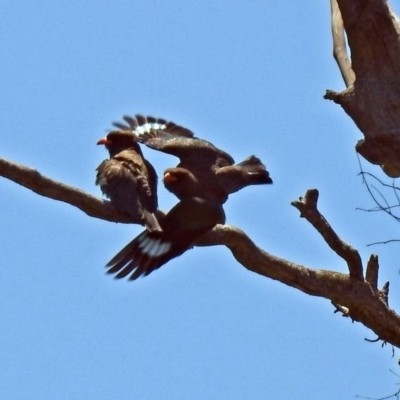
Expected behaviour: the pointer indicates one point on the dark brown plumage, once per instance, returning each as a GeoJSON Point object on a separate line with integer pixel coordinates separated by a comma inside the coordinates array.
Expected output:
{"type": "Point", "coordinates": [218, 184]}
{"type": "Point", "coordinates": [176, 140]}
{"type": "Point", "coordinates": [184, 183]}
{"type": "Point", "coordinates": [212, 171]}
{"type": "Point", "coordinates": [128, 179]}
{"type": "Point", "coordinates": [202, 180]}
{"type": "Point", "coordinates": [251, 171]}
{"type": "Point", "coordinates": [182, 226]}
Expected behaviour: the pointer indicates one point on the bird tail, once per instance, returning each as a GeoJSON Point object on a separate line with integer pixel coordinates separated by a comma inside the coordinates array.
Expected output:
{"type": "Point", "coordinates": [130, 260]}
{"type": "Point", "coordinates": [255, 171]}
{"type": "Point", "coordinates": [142, 255]}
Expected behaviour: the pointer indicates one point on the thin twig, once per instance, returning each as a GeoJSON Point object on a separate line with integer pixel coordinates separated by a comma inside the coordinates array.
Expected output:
{"type": "Point", "coordinates": [383, 242]}
{"type": "Point", "coordinates": [387, 208]}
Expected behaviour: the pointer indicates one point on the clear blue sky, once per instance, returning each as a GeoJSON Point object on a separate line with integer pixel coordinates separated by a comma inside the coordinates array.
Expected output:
{"type": "Point", "coordinates": [248, 76]}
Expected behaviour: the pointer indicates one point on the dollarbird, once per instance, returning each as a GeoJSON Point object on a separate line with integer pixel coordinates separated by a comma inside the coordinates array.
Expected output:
{"type": "Point", "coordinates": [186, 222]}
{"type": "Point", "coordinates": [203, 179]}
{"type": "Point", "coordinates": [128, 179]}
{"type": "Point", "coordinates": [212, 171]}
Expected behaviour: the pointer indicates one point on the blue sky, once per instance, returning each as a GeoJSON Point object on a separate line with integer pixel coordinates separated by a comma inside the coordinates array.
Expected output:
{"type": "Point", "coordinates": [248, 76]}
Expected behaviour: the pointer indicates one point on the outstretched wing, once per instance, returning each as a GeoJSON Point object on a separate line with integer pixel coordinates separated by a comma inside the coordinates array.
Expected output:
{"type": "Point", "coordinates": [140, 124]}
{"type": "Point", "coordinates": [170, 138]}
{"type": "Point", "coordinates": [182, 226]}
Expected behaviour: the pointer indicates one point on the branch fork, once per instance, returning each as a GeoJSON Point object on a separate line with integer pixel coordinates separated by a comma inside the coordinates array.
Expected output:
{"type": "Point", "coordinates": [352, 294]}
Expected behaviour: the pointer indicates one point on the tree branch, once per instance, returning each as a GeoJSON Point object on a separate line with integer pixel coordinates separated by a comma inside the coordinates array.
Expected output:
{"type": "Point", "coordinates": [371, 275]}
{"type": "Point", "coordinates": [360, 298]}
{"type": "Point", "coordinates": [33, 180]}
{"type": "Point", "coordinates": [364, 304]}
{"type": "Point", "coordinates": [373, 36]}
{"type": "Point", "coordinates": [308, 210]}
{"type": "Point", "coordinates": [339, 45]}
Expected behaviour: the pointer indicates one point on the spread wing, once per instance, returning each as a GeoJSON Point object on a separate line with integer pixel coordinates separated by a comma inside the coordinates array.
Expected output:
{"type": "Point", "coordinates": [168, 137]}
{"type": "Point", "coordinates": [181, 227]}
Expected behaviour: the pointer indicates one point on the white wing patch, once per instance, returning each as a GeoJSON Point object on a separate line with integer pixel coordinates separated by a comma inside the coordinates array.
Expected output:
{"type": "Point", "coordinates": [144, 242]}
{"type": "Point", "coordinates": [148, 127]}
{"type": "Point", "coordinates": [154, 247]}
{"type": "Point", "coordinates": [163, 248]}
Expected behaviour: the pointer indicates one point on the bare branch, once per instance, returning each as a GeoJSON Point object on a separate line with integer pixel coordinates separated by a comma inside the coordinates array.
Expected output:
{"type": "Point", "coordinates": [33, 180]}
{"type": "Point", "coordinates": [373, 36]}
{"type": "Point", "coordinates": [355, 296]}
{"type": "Point", "coordinates": [358, 298]}
{"type": "Point", "coordinates": [309, 211]}
{"type": "Point", "coordinates": [339, 45]}
{"type": "Point", "coordinates": [383, 242]}
{"type": "Point", "coordinates": [371, 274]}
{"type": "Point", "coordinates": [394, 190]}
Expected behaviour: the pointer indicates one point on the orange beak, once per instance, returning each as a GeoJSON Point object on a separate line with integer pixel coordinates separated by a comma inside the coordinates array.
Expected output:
{"type": "Point", "coordinates": [104, 141]}
{"type": "Point", "coordinates": [168, 177]}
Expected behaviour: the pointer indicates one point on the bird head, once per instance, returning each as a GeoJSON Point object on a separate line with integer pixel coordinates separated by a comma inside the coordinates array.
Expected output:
{"type": "Point", "coordinates": [181, 182]}
{"type": "Point", "coordinates": [117, 141]}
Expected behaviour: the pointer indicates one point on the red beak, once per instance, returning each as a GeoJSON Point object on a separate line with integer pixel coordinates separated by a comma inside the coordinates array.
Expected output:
{"type": "Point", "coordinates": [169, 178]}
{"type": "Point", "coordinates": [104, 141]}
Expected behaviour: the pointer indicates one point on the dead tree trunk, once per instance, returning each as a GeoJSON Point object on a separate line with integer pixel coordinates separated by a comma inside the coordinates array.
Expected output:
{"type": "Point", "coordinates": [372, 97]}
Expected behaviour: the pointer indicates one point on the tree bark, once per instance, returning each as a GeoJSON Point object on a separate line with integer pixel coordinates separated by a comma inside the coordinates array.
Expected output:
{"type": "Point", "coordinates": [356, 296]}
{"type": "Point", "coordinates": [372, 97]}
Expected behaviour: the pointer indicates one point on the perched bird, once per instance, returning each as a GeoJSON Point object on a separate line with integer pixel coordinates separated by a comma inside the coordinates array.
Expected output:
{"type": "Point", "coordinates": [202, 180]}
{"type": "Point", "coordinates": [184, 184]}
{"type": "Point", "coordinates": [211, 170]}
{"type": "Point", "coordinates": [128, 179]}
{"type": "Point", "coordinates": [219, 184]}
{"type": "Point", "coordinates": [181, 227]}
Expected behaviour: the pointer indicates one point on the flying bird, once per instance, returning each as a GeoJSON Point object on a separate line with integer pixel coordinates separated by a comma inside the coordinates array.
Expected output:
{"type": "Point", "coordinates": [128, 179]}
{"type": "Point", "coordinates": [186, 222]}
{"type": "Point", "coordinates": [212, 172]}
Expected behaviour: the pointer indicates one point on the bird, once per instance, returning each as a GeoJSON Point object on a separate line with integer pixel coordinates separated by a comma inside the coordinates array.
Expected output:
{"type": "Point", "coordinates": [181, 227]}
{"type": "Point", "coordinates": [213, 171]}
{"type": "Point", "coordinates": [202, 180]}
{"type": "Point", "coordinates": [218, 184]}
{"type": "Point", "coordinates": [235, 177]}
{"type": "Point", "coordinates": [128, 179]}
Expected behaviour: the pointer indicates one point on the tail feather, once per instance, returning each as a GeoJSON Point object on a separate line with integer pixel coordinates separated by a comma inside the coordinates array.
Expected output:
{"type": "Point", "coordinates": [255, 171]}
{"type": "Point", "coordinates": [251, 171]}
{"type": "Point", "coordinates": [142, 255]}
